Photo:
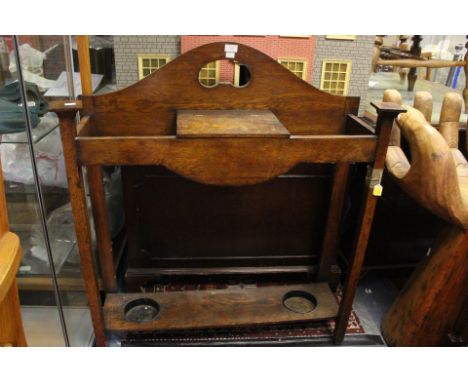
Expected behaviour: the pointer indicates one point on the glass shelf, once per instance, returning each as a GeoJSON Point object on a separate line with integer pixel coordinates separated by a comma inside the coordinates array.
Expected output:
{"type": "Point", "coordinates": [15, 188]}
{"type": "Point", "coordinates": [49, 122]}
{"type": "Point", "coordinates": [32, 265]}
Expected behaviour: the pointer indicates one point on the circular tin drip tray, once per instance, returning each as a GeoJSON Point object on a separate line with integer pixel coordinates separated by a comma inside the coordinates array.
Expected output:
{"type": "Point", "coordinates": [298, 301]}
{"type": "Point", "coordinates": [141, 310]}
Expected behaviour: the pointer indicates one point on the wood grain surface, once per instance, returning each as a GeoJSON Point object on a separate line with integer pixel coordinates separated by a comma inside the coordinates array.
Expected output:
{"type": "Point", "coordinates": [234, 161]}
{"type": "Point", "coordinates": [149, 106]}
{"type": "Point", "coordinates": [437, 178]}
{"type": "Point", "coordinates": [234, 306]}
{"type": "Point", "coordinates": [11, 324]}
{"type": "Point", "coordinates": [427, 308]}
{"type": "Point", "coordinates": [229, 124]}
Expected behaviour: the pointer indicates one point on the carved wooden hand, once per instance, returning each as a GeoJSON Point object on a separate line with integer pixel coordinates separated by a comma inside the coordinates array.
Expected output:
{"type": "Point", "coordinates": [437, 177]}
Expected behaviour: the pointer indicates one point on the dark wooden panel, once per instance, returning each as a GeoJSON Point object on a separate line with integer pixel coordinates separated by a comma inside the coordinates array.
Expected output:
{"type": "Point", "coordinates": [358, 126]}
{"type": "Point", "coordinates": [234, 306]}
{"type": "Point", "coordinates": [399, 217]}
{"type": "Point", "coordinates": [279, 222]}
{"type": "Point", "coordinates": [229, 123]}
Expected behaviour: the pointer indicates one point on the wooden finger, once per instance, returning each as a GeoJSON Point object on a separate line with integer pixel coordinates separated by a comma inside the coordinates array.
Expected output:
{"type": "Point", "coordinates": [394, 96]}
{"type": "Point", "coordinates": [423, 102]}
{"type": "Point", "coordinates": [450, 118]}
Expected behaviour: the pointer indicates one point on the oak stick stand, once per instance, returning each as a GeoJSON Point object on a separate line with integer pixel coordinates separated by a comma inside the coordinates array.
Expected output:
{"type": "Point", "coordinates": [226, 137]}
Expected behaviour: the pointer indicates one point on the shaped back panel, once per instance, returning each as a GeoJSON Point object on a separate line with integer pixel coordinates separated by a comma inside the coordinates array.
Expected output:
{"type": "Point", "coordinates": [148, 107]}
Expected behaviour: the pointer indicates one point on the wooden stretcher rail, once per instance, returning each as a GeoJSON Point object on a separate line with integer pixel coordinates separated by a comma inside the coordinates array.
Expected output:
{"type": "Point", "coordinates": [220, 308]}
{"type": "Point", "coordinates": [205, 271]}
{"type": "Point", "coordinates": [421, 63]}
{"type": "Point", "coordinates": [154, 150]}
{"type": "Point", "coordinates": [226, 161]}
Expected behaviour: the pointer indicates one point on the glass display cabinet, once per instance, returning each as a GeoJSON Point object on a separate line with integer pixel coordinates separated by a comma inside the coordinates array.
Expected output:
{"type": "Point", "coordinates": [54, 305]}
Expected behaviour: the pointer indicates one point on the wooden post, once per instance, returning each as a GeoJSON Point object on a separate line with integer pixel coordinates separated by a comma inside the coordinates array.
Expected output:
{"type": "Point", "coordinates": [465, 91]}
{"type": "Point", "coordinates": [81, 218]}
{"type": "Point", "coordinates": [85, 65]}
{"type": "Point", "coordinates": [376, 55]}
{"type": "Point", "coordinates": [415, 51]}
{"type": "Point", "coordinates": [404, 47]}
{"type": "Point", "coordinates": [329, 248]}
{"type": "Point", "coordinates": [387, 112]}
{"type": "Point", "coordinates": [96, 185]}
{"type": "Point", "coordinates": [403, 43]}
{"type": "Point", "coordinates": [101, 224]}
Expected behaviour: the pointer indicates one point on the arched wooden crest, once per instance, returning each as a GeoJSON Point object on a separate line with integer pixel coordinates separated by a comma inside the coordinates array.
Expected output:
{"type": "Point", "coordinates": [149, 107]}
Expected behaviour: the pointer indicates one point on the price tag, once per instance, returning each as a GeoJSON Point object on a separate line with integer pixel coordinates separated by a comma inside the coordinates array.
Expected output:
{"type": "Point", "coordinates": [377, 190]}
{"type": "Point", "coordinates": [231, 50]}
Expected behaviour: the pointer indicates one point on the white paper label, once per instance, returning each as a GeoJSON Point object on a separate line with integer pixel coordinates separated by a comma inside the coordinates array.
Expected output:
{"type": "Point", "coordinates": [231, 50]}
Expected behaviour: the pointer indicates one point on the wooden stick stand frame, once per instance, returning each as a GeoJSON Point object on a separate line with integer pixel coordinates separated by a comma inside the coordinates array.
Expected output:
{"type": "Point", "coordinates": [221, 136]}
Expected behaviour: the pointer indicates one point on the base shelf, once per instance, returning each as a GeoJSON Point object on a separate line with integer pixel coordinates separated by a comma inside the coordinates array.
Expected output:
{"type": "Point", "coordinates": [234, 306]}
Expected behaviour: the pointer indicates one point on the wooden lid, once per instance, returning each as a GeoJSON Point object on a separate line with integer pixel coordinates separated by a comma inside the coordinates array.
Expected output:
{"type": "Point", "coordinates": [229, 124]}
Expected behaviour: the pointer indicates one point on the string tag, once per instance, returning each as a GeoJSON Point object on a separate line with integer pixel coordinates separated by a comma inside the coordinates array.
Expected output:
{"type": "Point", "coordinates": [377, 190]}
